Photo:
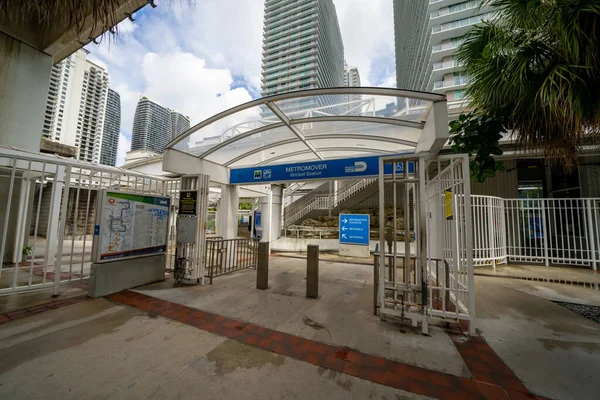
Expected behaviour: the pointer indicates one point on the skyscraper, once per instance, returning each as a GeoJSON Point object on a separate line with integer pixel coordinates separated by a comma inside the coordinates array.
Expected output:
{"type": "Point", "coordinates": [76, 105]}
{"type": "Point", "coordinates": [427, 34]}
{"type": "Point", "coordinates": [151, 126]}
{"type": "Point", "coordinates": [302, 49]}
{"type": "Point", "coordinates": [154, 126]}
{"type": "Point", "coordinates": [179, 124]}
{"type": "Point", "coordinates": [112, 125]}
{"type": "Point", "coordinates": [352, 79]}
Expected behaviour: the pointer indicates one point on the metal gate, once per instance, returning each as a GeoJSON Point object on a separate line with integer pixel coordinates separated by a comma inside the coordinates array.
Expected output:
{"type": "Point", "coordinates": [450, 240]}
{"type": "Point", "coordinates": [47, 212]}
{"type": "Point", "coordinates": [430, 274]}
{"type": "Point", "coordinates": [224, 256]}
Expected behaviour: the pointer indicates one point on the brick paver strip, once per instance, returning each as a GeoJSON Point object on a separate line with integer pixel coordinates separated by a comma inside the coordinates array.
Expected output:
{"type": "Point", "coordinates": [53, 305]}
{"type": "Point", "coordinates": [492, 378]}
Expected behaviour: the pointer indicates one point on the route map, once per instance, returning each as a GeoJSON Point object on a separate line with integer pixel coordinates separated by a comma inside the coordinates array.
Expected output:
{"type": "Point", "coordinates": [133, 225]}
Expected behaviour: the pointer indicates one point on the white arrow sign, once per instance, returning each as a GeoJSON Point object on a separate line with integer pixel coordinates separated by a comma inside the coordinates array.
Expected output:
{"type": "Point", "coordinates": [344, 228]}
{"type": "Point", "coordinates": [345, 221]}
{"type": "Point", "coordinates": [344, 236]}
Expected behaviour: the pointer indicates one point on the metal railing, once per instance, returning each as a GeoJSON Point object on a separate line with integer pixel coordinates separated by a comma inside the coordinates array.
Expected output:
{"type": "Point", "coordinates": [224, 256]}
{"type": "Point", "coordinates": [553, 231]}
{"type": "Point", "coordinates": [48, 207]}
{"type": "Point", "coordinates": [312, 233]}
{"type": "Point", "coordinates": [319, 201]}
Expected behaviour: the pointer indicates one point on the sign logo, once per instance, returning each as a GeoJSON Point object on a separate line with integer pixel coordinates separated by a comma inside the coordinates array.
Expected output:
{"type": "Point", "coordinates": [111, 200]}
{"type": "Point", "coordinates": [358, 166]}
{"type": "Point", "coordinates": [267, 174]}
{"type": "Point", "coordinates": [258, 174]}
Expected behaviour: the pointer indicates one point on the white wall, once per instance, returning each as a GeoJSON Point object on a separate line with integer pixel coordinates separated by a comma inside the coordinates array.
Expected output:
{"type": "Point", "coordinates": [24, 80]}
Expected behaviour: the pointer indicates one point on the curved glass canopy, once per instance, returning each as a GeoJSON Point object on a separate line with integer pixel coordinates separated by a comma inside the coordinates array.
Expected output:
{"type": "Point", "coordinates": [311, 125]}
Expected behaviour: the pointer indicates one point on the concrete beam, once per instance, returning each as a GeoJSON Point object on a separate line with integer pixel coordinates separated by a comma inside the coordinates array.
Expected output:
{"type": "Point", "coordinates": [178, 162]}
{"type": "Point", "coordinates": [435, 132]}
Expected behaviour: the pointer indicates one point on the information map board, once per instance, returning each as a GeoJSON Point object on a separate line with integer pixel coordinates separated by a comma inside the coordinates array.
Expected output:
{"type": "Point", "coordinates": [131, 225]}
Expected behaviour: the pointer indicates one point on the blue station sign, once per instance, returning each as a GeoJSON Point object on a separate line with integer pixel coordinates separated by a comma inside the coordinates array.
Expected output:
{"type": "Point", "coordinates": [354, 229]}
{"type": "Point", "coordinates": [326, 169]}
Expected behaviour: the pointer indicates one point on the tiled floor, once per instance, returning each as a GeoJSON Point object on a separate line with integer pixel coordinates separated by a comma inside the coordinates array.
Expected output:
{"type": "Point", "coordinates": [492, 378]}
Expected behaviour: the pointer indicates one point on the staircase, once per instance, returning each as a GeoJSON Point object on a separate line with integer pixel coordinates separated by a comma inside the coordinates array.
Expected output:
{"type": "Point", "coordinates": [319, 201]}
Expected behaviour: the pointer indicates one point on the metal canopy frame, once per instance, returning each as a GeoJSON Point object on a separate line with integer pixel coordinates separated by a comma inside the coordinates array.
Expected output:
{"type": "Point", "coordinates": [299, 122]}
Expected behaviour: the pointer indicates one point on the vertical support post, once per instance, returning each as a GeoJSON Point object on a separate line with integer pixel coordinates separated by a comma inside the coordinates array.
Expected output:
{"type": "Point", "coordinates": [375, 279]}
{"type": "Point", "coordinates": [381, 275]}
{"type": "Point", "coordinates": [469, 241]}
{"type": "Point", "coordinates": [591, 238]}
{"type": "Point", "coordinates": [312, 271]}
{"type": "Point", "coordinates": [61, 230]}
{"type": "Point", "coordinates": [545, 233]}
{"type": "Point", "coordinates": [330, 199]}
{"type": "Point", "coordinates": [262, 268]}
{"type": "Point", "coordinates": [491, 244]}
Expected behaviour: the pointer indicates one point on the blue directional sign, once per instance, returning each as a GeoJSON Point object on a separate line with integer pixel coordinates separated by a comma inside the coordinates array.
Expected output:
{"type": "Point", "coordinates": [354, 229]}
{"type": "Point", "coordinates": [326, 169]}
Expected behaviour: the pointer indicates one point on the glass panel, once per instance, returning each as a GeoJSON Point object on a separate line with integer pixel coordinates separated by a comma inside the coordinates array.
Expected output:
{"type": "Point", "coordinates": [366, 146]}
{"type": "Point", "coordinates": [346, 129]}
{"type": "Point", "coordinates": [250, 144]}
{"type": "Point", "coordinates": [350, 104]}
{"type": "Point", "coordinates": [225, 128]}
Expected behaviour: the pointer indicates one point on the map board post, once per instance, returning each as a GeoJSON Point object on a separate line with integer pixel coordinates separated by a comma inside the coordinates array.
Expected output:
{"type": "Point", "coordinates": [354, 235]}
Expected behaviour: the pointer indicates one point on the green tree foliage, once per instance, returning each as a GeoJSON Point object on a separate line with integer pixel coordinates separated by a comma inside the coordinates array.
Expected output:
{"type": "Point", "coordinates": [538, 64]}
{"type": "Point", "coordinates": [479, 136]}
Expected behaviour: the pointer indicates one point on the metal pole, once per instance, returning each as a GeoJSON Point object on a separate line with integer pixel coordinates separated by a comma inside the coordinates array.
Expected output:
{"type": "Point", "coordinates": [592, 239]}
{"type": "Point", "coordinates": [61, 229]}
{"type": "Point", "coordinates": [262, 268]}
{"type": "Point", "coordinates": [545, 233]}
{"type": "Point", "coordinates": [312, 271]}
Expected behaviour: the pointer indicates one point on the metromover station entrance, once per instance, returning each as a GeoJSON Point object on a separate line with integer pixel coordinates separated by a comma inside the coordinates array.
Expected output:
{"type": "Point", "coordinates": [425, 273]}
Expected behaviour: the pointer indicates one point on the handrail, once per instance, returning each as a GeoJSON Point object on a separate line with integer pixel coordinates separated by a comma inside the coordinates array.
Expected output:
{"type": "Point", "coordinates": [319, 201]}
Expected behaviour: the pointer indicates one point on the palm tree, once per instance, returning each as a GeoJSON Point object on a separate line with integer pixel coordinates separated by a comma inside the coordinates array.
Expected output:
{"type": "Point", "coordinates": [538, 64]}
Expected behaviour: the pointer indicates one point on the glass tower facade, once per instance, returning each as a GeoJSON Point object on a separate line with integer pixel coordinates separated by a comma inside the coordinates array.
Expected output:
{"type": "Point", "coordinates": [302, 49]}
{"type": "Point", "coordinates": [112, 125]}
{"type": "Point", "coordinates": [151, 127]}
{"type": "Point", "coordinates": [427, 35]}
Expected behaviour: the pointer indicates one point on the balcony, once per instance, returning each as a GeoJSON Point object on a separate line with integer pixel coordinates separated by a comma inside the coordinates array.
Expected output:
{"type": "Point", "coordinates": [295, 38]}
{"type": "Point", "coordinates": [458, 82]}
{"type": "Point", "coordinates": [440, 69]}
{"type": "Point", "coordinates": [457, 12]}
{"type": "Point", "coordinates": [456, 28]}
{"type": "Point", "coordinates": [290, 49]}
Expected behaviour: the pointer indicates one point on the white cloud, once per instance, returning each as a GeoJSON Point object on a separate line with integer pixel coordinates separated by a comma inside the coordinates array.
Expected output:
{"type": "Point", "coordinates": [124, 147]}
{"type": "Point", "coordinates": [186, 56]}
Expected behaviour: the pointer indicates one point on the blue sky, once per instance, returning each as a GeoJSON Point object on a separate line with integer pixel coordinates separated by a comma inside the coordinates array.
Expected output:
{"type": "Point", "coordinates": [204, 57]}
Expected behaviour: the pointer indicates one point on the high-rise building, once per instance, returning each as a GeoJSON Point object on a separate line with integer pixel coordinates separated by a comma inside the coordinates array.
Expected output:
{"type": "Point", "coordinates": [179, 124]}
{"type": "Point", "coordinates": [302, 49]}
{"type": "Point", "coordinates": [112, 125]}
{"type": "Point", "coordinates": [76, 105]}
{"type": "Point", "coordinates": [352, 79]}
{"type": "Point", "coordinates": [154, 126]}
{"type": "Point", "coordinates": [427, 34]}
{"type": "Point", "coordinates": [151, 126]}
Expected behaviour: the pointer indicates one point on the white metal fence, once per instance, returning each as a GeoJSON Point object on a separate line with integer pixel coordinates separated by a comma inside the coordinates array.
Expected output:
{"type": "Point", "coordinates": [489, 230]}
{"type": "Point", "coordinates": [47, 215]}
{"type": "Point", "coordinates": [553, 231]}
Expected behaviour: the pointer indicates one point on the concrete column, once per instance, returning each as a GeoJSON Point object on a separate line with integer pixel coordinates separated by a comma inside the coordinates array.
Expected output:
{"type": "Point", "coordinates": [312, 272]}
{"type": "Point", "coordinates": [272, 217]}
{"type": "Point", "coordinates": [227, 223]}
{"type": "Point", "coordinates": [24, 81]}
{"type": "Point", "coordinates": [262, 267]}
